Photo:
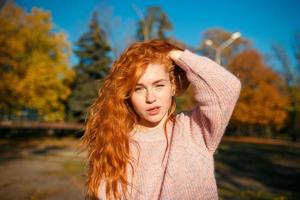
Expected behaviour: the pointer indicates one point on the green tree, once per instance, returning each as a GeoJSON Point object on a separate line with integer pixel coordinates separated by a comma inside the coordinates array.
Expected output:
{"type": "Point", "coordinates": [153, 24]}
{"type": "Point", "coordinates": [92, 50]}
{"type": "Point", "coordinates": [34, 68]}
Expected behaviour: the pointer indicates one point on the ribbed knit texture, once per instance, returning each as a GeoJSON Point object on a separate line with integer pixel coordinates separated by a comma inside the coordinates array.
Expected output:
{"type": "Point", "coordinates": [188, 169]}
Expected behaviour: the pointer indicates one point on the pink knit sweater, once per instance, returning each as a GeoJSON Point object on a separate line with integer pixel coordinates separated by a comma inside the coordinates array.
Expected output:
{"type": "Point", "coordinates": [187, 172]}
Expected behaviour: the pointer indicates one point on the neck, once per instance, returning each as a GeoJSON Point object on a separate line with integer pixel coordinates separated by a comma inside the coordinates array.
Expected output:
{"type": "Point", "coordinates": [143, 128]}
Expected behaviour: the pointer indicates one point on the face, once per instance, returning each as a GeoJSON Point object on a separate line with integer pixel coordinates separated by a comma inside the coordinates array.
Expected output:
{"type": "Point", "coordinates": [152, 96]}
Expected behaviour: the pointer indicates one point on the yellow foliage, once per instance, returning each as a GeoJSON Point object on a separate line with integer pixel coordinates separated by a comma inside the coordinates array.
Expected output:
{"type": "Point", "coordinates": [35, 72]}
{"type": "Point", "coordinates": [262, 101]}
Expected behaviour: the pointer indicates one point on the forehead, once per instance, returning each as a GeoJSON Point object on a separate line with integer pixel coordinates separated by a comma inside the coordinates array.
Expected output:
{"type": "Point", "coordinates": [153, 73]}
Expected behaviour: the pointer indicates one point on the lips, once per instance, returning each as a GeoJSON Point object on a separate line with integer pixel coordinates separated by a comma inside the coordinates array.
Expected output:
{"type": "Point", "coordinates": [153, 110]}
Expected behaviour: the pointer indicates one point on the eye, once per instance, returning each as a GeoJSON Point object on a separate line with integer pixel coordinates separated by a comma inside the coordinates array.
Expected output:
{"type": "Point", "coordinates": [138, 89]}
{"type": "Point", "coordinates": [160, 85]}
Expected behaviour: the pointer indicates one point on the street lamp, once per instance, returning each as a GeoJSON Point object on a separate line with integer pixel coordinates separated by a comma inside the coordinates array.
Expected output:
{"type": "Point", "coordinates": [221, 47]}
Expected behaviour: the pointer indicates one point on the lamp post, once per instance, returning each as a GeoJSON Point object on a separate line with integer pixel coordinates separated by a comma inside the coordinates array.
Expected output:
{"type": "Point", "coordinates": [221, 47]}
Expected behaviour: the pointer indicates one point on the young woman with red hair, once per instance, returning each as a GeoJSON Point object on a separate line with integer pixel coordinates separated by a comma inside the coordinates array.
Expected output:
{"type": "Point", "coordinates": [137, 147]}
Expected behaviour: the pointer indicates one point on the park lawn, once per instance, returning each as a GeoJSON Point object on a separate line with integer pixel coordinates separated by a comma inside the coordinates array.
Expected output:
{"type": "Point", "coordinates": [54, 169]}
{"type": "Point", "coordinates": [257, 171]}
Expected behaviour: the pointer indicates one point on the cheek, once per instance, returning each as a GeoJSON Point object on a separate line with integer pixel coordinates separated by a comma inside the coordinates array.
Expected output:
{"type": "Point", "coordinates": [166, 97]}
{"type": "Point", "coordinates": [136, 103]}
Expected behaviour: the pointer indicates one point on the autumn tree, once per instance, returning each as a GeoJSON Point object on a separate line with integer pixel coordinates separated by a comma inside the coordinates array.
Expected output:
{"type": "Point", "coordinates": [92, 50]}
{"type": "Point", "coordinates": [153, 24]}
{"type": "Point", "coordinates": [34, 68]}
{"type": "Point", "coordinates": [262, 105]}
{"type": "Point", "coordinates": [218, 37]}
{"type": "Point", "coordinates": [291, 76]}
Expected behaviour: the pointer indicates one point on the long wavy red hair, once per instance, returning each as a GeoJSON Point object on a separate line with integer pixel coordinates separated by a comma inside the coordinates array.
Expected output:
{"type": "Point", "coordinates": [111, 117]}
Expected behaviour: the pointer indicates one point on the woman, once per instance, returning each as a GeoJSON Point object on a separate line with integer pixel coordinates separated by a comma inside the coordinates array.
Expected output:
{"type": "Point", "coordinates": [138, 148]}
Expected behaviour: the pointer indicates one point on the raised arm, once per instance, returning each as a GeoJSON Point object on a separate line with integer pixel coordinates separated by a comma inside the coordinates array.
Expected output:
{"type": "Point", "coordinates": [216, 91]}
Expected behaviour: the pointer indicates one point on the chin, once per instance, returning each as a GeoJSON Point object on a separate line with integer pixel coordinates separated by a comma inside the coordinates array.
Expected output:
{"type": "Point", "coordinates": [154, 119]}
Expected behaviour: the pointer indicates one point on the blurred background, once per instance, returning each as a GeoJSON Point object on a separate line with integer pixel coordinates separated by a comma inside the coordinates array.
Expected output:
{"type": "Point", "coordinates": [55, 54]}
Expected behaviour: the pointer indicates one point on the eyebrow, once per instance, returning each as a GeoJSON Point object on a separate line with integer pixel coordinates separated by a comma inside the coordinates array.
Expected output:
{"type": "Point", "coordinates": [155, 82]}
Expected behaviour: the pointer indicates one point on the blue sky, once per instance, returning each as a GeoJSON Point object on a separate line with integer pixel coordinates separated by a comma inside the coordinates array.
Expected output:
{"type": "Point", "coordinates": [261, 21]}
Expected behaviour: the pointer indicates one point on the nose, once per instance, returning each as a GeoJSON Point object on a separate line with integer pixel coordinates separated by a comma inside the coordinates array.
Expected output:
{"type": "Point", "coordinates": [150, 97]}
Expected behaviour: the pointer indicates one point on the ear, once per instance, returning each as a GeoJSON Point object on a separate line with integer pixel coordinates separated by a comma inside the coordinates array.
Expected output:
{"type": "Point", "coordinates": [173, 90]}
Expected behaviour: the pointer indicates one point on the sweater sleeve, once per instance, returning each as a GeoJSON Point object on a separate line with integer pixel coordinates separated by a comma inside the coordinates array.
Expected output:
{"type": "Point", "coordinates": [216, 92]}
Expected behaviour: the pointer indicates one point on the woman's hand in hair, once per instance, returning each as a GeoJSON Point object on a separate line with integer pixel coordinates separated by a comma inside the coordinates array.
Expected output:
{"type": "Point", "coordinates": [175, 54]}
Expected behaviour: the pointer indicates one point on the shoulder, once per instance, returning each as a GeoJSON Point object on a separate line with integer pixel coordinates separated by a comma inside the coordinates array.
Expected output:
{"type": "Point", "coordinates": [186, 117]}
{"type": "Point", "coordinates": [185, 120]}
{"type": "Point", "coordinates": [190, 132]}
{"type": "Point", "coordinates": [183, 117]}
